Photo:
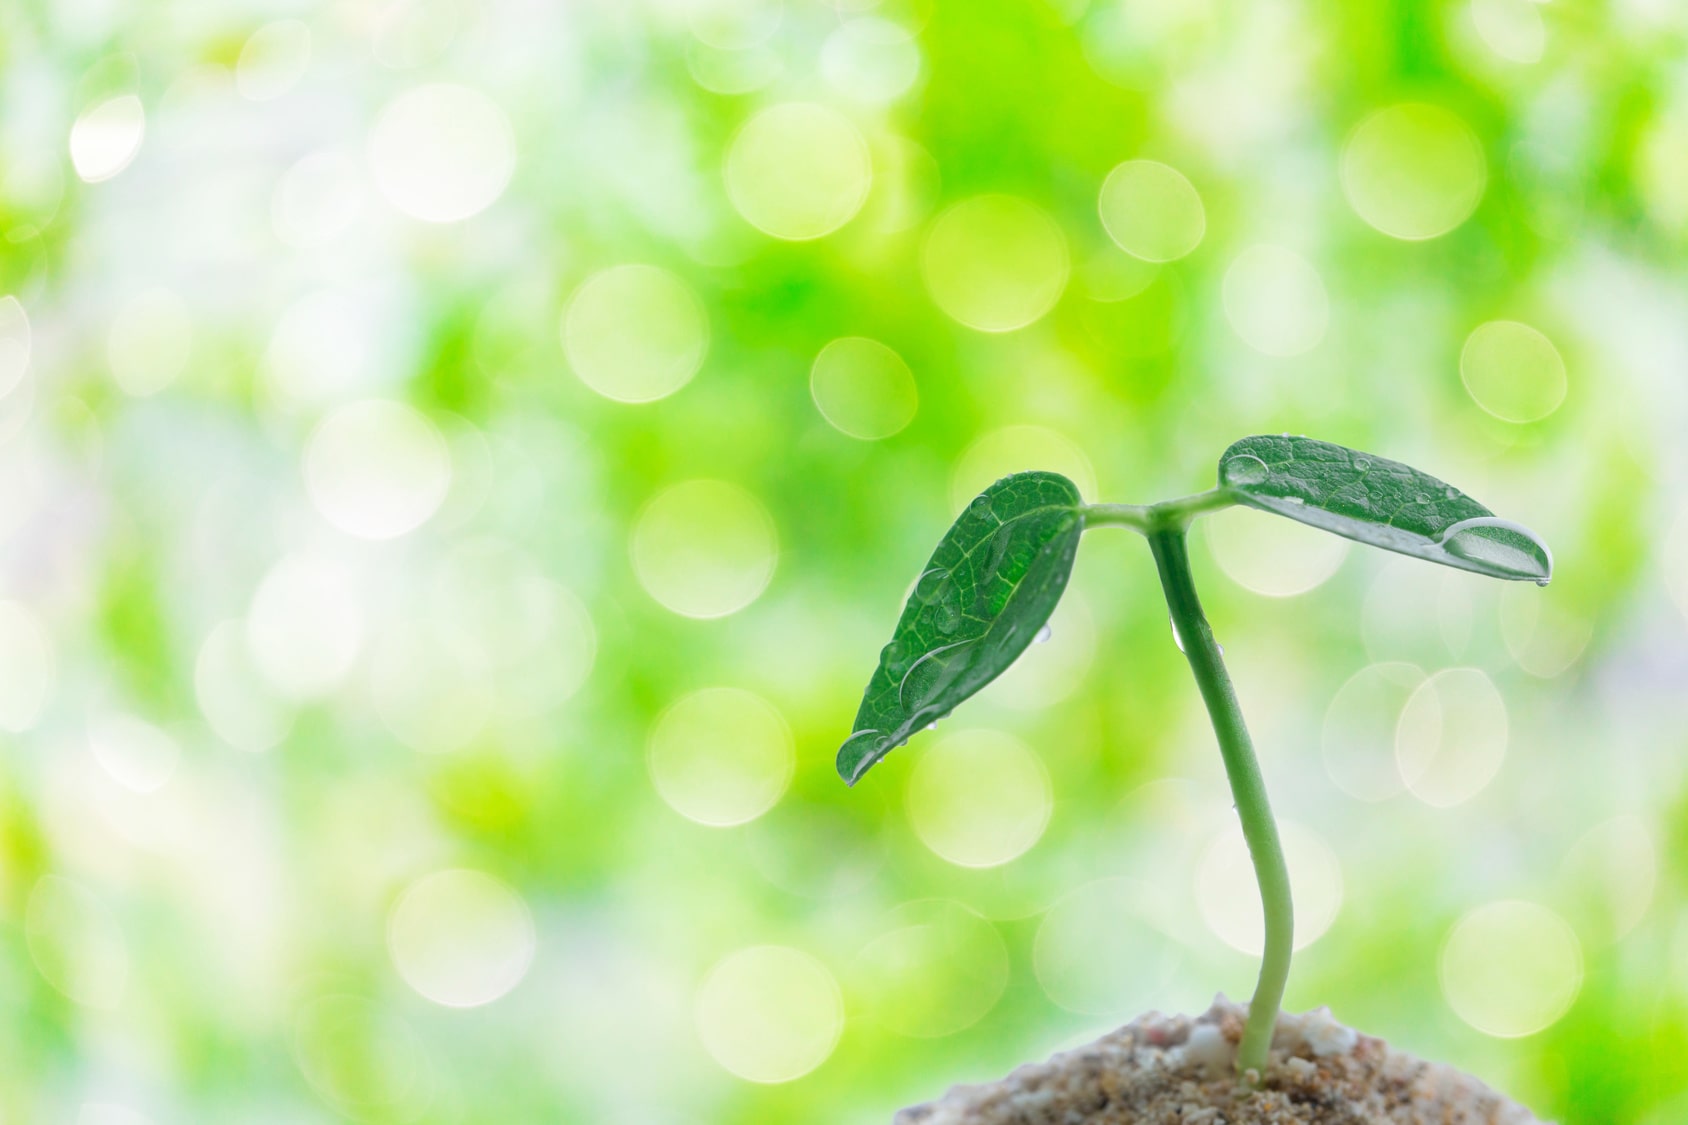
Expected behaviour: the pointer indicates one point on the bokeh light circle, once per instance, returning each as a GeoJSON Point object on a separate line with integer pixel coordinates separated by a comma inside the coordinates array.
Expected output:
{"type": "Point", "coordinates": [442, 152]}
{"type": "Point", "coordinates": [704, 548]}
{"type": "Point", "coordinates": [1612, 871]}
{"type": "Point", "coordinates": [721, 756]}
{"type": "Point", "coordinates": [798, 171]}
{"type": "Point", "coordinates": [1512, 371]}
{"type": "Point", "coordinates": [1451, 738]}
{"type": "Point", "coordinates": [305, 627]}
{"type": "Point", "coordinates": [1358, 737]}
{"type": "Point", "coordinates": [150, 342]}
{"type": "Point", "coordinates": [1511, 968]}
{"type": "Point", "coordinates": [1229, 896]}
{"type": "Point", "coordinates": [318, 199]}
{"type": "Point", "coordinates": [272, 60]}
{"type": "Point", "coordinates": [137, 755]}
{"type": "Point", "coordinates": [1271, 555]}
{"type": "Point", "coordinates": [365, 1062]}
{"type": "Point", "coordinates": [1152, 211]}
{"type": "Point", "coordinates": [935, 968]}
{"type": "Point", "coordinates": [1106, 949]}
{"type": "Point", "coordinates": [769, 1013]}
{"type": "Point", "coordinates": [635, 333]}
{"type": "Point", "coordinates": [76, 943]}
{"type": "Point", "coordinates": [434, 693]}
{"type": "Point", "coordinates": [1012, 449]}
{"type": "Point", "coordinates": [105, 139]}
{"type": "Point", "coordinates": [16, 343]}
{"type": "Point", "coordinates": [1275, 300]}
{"type": "Point", "coordinates": [461, 938]}
{"type": "Point", "coordinates": [110, 1113]}
{"type": "Point", "coordinates": [978, 798]}
{"type": "Point", "coordinates": [995, 263]}
{"type": "Point", "coordinates": [377, 469]}
{"type": "Point", "coordinates": [26, 667]}
{"type": "Point", "coordinates": [1512, 29]}
{"type": "Point", "coordinates": [863, 388]}
{"type": "Point", "coordinates": [1413, 171]}
{"type": "Point", "coordinates": [232, 693]}
{"type": "Point", "coordinates": [870, 60]}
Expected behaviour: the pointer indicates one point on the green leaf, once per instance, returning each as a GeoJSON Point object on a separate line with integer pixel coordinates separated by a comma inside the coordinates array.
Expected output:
{"type": "Point", "coordinates": [1381, 502]}
{"type": "Point", "coordinates": [987, 591]}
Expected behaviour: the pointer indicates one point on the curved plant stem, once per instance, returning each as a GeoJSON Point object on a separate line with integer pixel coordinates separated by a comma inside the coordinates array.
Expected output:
{"type": "Point", "coordinates": [1166, 539]}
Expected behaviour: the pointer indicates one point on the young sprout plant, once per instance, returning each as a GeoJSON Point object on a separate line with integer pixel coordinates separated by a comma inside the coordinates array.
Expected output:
{"type": "Point", "coordinates": [996, 577]}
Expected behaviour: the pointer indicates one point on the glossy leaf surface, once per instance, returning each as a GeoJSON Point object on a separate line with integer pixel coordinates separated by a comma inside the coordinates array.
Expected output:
{"type": "Point", "coordinates": [989, 587]}
{"type": "Point", "coordinates": [1381, 502]}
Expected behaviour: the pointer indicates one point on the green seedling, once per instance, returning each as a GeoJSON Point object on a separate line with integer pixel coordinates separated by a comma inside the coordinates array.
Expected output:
{"type": "Point", "coordinates": [996, 577]}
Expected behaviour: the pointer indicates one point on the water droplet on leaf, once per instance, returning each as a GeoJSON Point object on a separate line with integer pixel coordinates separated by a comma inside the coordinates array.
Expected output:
{"type": "Point", "coordinates": [981, 506]}
{"type": "Point", "coordinates": [1361, 464]}
{"type": "Point", "coordinates": [1177, 638]}
{"type": "Point", "coordinates": [949, 618]}
{"type": "Point", "coordinates": [1044, 634]}
{"type": "Point", "coordinates": [1245, 468]}
{"type": "Point", "coordinates": [1501, 547]}
{"type": "Point", "coordinates": [931, 584]}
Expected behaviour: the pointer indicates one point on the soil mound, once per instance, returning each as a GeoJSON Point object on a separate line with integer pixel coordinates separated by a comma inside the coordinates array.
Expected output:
{"type": "Point", "coordinates": [1176, 1070]}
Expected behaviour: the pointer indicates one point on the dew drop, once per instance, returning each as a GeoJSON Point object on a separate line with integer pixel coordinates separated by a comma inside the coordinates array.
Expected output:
{"type": "Point", "coordinates": [1361, 464]}
{"type": "Point", "coordinates": [1044, 634]}
{"type": "Point", "coordinates": [931, 584]}
{"type": "Point", "coordinates": [1244, 468]}
{"type": "Point", "coordinates": [1501, 547]}
{"type": "Point", "coordinates": [1177, 638]}
{"type": "Point", "coordinates": [981, 506]}
{"type": "Point", "coordinates": [931, 726]}
{"type": "Point", "coordinates": [949, 618]}
{"type": "Point", "coordinates": [1422, 498]}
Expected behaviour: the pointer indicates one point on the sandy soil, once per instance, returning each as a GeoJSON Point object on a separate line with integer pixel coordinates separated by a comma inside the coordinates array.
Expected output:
{"type": "Point", "coordinates": [1177, 1070]}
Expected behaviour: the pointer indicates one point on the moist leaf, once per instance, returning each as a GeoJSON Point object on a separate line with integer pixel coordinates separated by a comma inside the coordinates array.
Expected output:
{"type": "Point", "coordinates": [989, 587]}
{"type": "Point", "coordinates": [1381, 502]}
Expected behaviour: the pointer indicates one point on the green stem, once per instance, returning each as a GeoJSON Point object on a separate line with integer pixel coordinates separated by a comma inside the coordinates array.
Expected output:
{"type": "Point", "coordinates": [1146, 519]}
{"type": "Point", "coordinates": [1195, 637]}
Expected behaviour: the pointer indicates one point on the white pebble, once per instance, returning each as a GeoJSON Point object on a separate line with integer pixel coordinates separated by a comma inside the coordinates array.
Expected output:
{"type": "Point", "coordinates": [1325, 1036]}
{"type": "Point", "coordinates": [1208, 1047]}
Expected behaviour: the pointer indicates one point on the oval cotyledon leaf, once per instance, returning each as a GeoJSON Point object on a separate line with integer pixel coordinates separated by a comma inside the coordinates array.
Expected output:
{"type": "Point", "coordinates": [989, 587]}
{"type": "Point", "coordinates": [1380, 502]}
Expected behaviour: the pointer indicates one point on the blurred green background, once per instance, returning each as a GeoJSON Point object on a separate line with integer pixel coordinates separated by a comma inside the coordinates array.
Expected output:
{"type": "Point", "coordinates": [459, 460]}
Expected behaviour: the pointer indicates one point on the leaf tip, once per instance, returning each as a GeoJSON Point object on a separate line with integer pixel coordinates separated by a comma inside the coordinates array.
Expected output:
{"type": "Point", "coordinates": [856, 756]}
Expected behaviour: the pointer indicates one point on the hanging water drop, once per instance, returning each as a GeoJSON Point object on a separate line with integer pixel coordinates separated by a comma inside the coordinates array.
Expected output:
{"type": "Point", "coordinates": [1500, 547]}
{"type": "Point", "coordinates": [1177, 638]}
{"type": "Point", "coordinates": [932, 726]}
{"type": "Point", "coordinates": [1044, 634]}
